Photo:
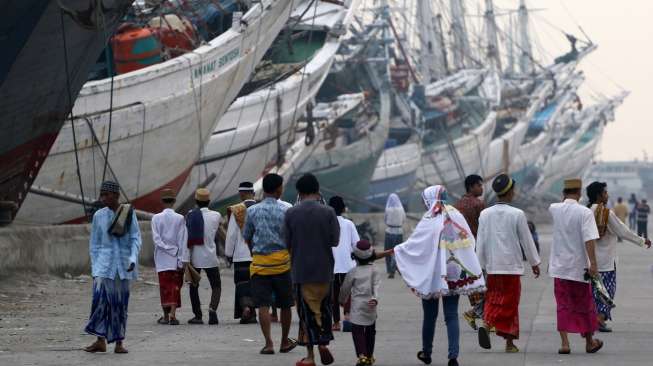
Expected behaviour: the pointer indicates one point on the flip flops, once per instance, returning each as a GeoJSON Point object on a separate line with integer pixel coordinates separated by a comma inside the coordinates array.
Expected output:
{"type": "Point", "coordinates": [563, 351]}
{"type": "Point", "coordinates": [163, 321]}
{"type": "Point", "coordinates": [598, 345]}
{"type": "Point", "coordinates": [265, 351]}
{"type": "Point", "coordinates": [293, 344]}
{"type": "Point", "coordinates": [302, 363]}
{"type": "Point", "coordinates": [325, 355]}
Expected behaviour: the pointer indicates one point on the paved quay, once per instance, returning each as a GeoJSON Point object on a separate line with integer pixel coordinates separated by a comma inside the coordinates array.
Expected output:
{"type": "Point", "coordinates": [42, 319]}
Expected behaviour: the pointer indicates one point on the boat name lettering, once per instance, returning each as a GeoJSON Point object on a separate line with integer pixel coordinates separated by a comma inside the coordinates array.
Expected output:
{"type": "Point", "coordinates": [210, 67]}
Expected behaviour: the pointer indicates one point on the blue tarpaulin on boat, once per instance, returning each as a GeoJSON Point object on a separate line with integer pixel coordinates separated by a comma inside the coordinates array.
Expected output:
{"type": "Point", "coordinates": [542, 117]}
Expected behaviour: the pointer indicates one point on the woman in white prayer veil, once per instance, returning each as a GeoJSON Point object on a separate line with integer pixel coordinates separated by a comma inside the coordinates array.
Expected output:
{"type": "Point", "coordinates": [394, 229]}
{"type": "Point", "coordinates": [438, 261]}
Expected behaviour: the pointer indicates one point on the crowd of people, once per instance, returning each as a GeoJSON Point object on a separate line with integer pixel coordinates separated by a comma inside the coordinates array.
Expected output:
{"type": "Point", "coordinates": [309, 256]}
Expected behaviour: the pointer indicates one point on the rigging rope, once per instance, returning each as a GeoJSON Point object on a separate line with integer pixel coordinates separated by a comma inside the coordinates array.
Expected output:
{"type": "Point", "coordinates": [70, 109]}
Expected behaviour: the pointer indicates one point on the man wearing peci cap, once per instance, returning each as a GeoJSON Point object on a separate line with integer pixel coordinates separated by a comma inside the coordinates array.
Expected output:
{"type": "Point", "coordinates": [572, 259]}
{"type": "Point", "coordinates": [201, 253]}
{"type": "Point", "coordinates": [114, 248]}
{"type": "Point", "coordinates": [170, 238]}
{"type": "Point", "coordinates": [237, 251]}
{"type": "Point", "coordinates": [502, 233]}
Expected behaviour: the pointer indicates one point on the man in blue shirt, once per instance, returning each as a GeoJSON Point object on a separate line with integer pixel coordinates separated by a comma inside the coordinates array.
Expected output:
{"type": "Point", "coordinates": [114, 247]}
{"type": "Point", "coordinates": [270, 282]}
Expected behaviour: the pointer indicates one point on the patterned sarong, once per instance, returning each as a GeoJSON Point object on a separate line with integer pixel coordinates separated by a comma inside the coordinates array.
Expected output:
{"type": "Point", "coordinates": [502, 304]}
{"type": "Point", "coordinates": [314, 310]}
{"type": "Point", "coordinates": [170, 284]}
{"type": "Point", "coordinates": [109, 309]}
{"type": "Point", "coordinates": [609, 280]}
{"type": "Point", "coordinates": [575, 307]}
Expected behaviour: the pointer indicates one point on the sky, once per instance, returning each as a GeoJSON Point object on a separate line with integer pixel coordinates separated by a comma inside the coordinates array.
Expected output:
{"type": "Point", "coordinates": [623, 31]}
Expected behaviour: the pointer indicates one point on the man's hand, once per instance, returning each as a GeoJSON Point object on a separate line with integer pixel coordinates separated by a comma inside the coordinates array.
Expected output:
{"type": "Point", "coordinates": [536, 271]}
{"type": "Point", "coordinates": [648, 243]}
{"type": "Point", "coordinates": [131, 267]}
{"type": "Point", "coordinates": [373, 303]}
{"type": "Point", "coordinates": [593, 270]}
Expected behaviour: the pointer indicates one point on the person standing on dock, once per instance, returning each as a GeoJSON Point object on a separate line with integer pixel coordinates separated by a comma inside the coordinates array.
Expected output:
{"type": "Point", "coordinates": [394, 230]}
{"type": "Point", "coordinates": [621, 210]}
{"type": "Point", "coordinates": [610, 229]}
{"type": "Point", "coordinates": [239, 254]}
{"type": "Point", "coordinates": [201, 253]}
{"type": "Point", "coordinates": [342, 255]}
{"type": "Point", "coordinates": [572, 260]}
{"type": "Point", "coordinates": [632, 216]}
{"type": "Point", "coordinates": [271, 282]}
{"type": "Point", "coordinates": [311, 230]}
{"type": "Point", "coordinates": [470, 205]}
{"type": "Point", "coordinates": [114, 248]}
{"type": "Point", "coordinates": [502, 235]}
{"type": "Point", "coordinates": [170, 238]}
{"type": "Point", "coordinates": [643, 210]}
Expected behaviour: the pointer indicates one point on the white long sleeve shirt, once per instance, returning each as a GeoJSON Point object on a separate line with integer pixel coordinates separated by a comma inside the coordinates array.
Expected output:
{"type": "Point", "coordinates": [502, 233]}
{"type": "Point", "coordinates": [235, 245]}
{"type": "Point", "coordinates": [205, 256]}
{"type": "Point", "coordinates": [170, 238]}
{"type": "Point", "coordinates": [573, 226]}
{"type": "Point", "coordinates": [606, 247]}
{"type": "Point", "coordinates": [342, 253]}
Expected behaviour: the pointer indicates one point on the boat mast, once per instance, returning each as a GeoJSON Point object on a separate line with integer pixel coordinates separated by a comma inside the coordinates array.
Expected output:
{"type": "Point", "coordinates": [525, 65]}
{"type": "Point", "coordinates": [433, 65]}
{"type": "Point", "coordinates": [492, 39]}
{"type": "Point", "coordinates": [510, 70]}
{"type": "Point", "coordinates": [459, 29]}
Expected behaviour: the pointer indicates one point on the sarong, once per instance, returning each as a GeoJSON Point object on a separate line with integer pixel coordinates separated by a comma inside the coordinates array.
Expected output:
{"type": "Point", "coordinates": [609, 280]}
{"type": "Point", "coordinates": [109, 309]}
{"type": "Point", "coordinates": [314, 310]}
{"type": "Point", "coordinates": [575, 307]}
{"type": "Point", "coordinates": [502, 304]}
{"type": "Point", "coordinates": [243, 296]}
{"type": "Point", "coordinates": [170, 284]}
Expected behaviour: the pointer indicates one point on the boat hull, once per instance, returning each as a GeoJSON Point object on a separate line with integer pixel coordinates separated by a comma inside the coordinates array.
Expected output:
{"type": "Point", "coordinates": [40, 79]}
{"type": "Point", "coordinates": [162, 117]}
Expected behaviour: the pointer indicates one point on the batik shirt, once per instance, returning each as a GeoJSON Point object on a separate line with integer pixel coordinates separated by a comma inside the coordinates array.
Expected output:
{"type": "Point", "coordinates": [263, 225]}
{"type": "Point", "coordinates": [471, 208]}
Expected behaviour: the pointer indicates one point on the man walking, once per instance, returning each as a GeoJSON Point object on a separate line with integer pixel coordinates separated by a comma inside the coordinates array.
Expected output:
{"type": "Point", "coordinates": [502, 234]}
{"type": "Point", "coordinates": [270, 282]}
{"type": "Point", "coordinates": [114, 247]}
{"type": "Point", "coordinates": [238, 253]}
{"type": "Point", "coordinates": [572, 259]}
{"type": "Point", "coordinates": [311, 231]}
{"type": "Point", "coordinates": [643, 210]}
{"type": "Point", "coordinates": [170, 237]}
{"type": "Point", "coordinates": [201, 253]}
{"type": "Point", "coordinates": [470, 205]}
{"type": "Point", "coordinates": [632, 204]}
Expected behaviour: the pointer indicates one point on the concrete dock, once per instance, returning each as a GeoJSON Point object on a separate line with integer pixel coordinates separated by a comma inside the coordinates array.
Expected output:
{"type": "Point", "coordinates": [42, 320]}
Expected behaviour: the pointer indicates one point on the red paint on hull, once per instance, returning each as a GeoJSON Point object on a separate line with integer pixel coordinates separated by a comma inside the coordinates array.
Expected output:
{"type": "Point", "coordinates": [151, 202]}
{"type": "Point", "coordinates": [20, 166]}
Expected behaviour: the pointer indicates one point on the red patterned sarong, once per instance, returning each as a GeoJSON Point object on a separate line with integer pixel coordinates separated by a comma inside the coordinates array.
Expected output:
{"type": "Point", "coordinates": [576, 308]}
{"type": "Point", "coordinates": [170, 284]}
{"type": "Point", "coordinates": [502, 304]}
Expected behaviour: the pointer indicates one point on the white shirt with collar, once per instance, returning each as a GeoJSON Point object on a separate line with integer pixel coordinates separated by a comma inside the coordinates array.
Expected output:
{"type": "Point", "coordinates": [235, 245]}
{"type": "Point", "coordinates": [573, 226]}
{"type": "Point", "coordinates": [606, 247]}
{"type": "Point", "coordinates": [502, 233]}
{"type": "Point", "coordinates": [205, 256]}
{"type": "Point", "coordinates": [170, 238]}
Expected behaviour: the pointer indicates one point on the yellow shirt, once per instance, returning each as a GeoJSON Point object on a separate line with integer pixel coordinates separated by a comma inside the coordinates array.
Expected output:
{"type": "Point", "coordinates": [621, 210]}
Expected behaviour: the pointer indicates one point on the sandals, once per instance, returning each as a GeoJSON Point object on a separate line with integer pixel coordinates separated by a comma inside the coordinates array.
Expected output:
{"type": "Point", "coordinates": [120, 350]}
{"type": "Point", "coordinates": [302, 363]}
{"type": "Point", "coordinates": [424, 358]}
{"type": "Point", "coordinates": [563, 351]}
{"type": "Point", "coordinates": [163, 321]}
{"type": "Point", "coordinates": [173, 322]}
{"type": "Point", "coordinates": [335, 327]}
{"type": "Point", "coordinates": [265, 351]}
{"type": "Point", "coordinates": [598, 344]}
{"type": "Point", "coordinates": [325, 355]}
{"type": "Point", "coordinates": [293, 344]}
{"type": "Point", "coordinates": [512, 349]}
{"type": "Point", "coordinates": [96, 347]}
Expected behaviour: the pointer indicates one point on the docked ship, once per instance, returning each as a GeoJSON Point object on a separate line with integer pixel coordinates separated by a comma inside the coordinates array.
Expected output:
{"type": "Point", "coordinates": [146, 127]}
{"type": "Point", "coordinates": [48, 49]}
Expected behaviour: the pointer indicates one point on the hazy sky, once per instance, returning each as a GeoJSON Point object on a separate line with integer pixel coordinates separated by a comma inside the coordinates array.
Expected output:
{"type": "Point", "coordinates": [623, 31]}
